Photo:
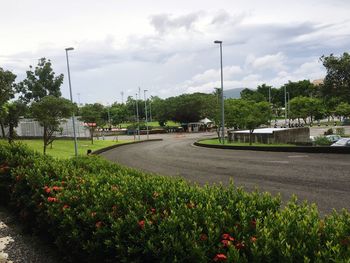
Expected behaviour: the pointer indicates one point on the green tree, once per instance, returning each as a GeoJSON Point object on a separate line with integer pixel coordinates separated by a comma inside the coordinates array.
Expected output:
{"type": "Point", "coordinates": [337, 80]}
{"type": "Point", "coordinates": [40, 82]}
{"type": "Point", "coordinates": [252, 95]}
{"type": "Point", "coordinates": [119, 113]}
{"type": "Point", "coordinates": [247, 114]}
{"type": "Point", "coordinates": [49, 112]}
{"type": "Point", "coordinates": [304, 107]}
{"type": "Point", "coordinates": [14, 110]}
{"type": "Point", "coordinates": [92, 114]}
{"type": "Point", "coordinates": [343, 109]}
{"type": "Point", "coordinates": [7, 92]}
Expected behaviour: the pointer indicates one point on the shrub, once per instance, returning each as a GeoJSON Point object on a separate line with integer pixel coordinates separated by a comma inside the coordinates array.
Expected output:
{"type": "Point", "coordinates": [101, 211]}
{"type": "Point", "coordinates": [322, 141]}
{"type": "Point", "coordinates": [340, 131]}
{"type": "Point", "coordinates": [328, 132]}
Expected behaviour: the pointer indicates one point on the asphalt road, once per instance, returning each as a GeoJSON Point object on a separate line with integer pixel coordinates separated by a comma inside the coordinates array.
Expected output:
{"type": "Point", "coordinates": [320, 178]}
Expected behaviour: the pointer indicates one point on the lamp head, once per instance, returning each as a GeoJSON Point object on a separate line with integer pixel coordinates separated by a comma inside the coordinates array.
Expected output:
{"type": "Point", "coordinates": [217, 42]}
{"type": "Point", "coordinates": [69, 48]}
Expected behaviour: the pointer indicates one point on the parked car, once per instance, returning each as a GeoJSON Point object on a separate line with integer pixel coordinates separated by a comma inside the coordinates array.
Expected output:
{"type": "Point", "coordinates": [333, 138]}
{"type": "Point", "coordinates": [342, 142]}
{"type": "Point", "coordinates": [345, 122]}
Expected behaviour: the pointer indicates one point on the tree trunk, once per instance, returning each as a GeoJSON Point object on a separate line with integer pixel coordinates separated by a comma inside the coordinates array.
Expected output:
{"type": "Point", "coordinates": [11, 132]}
{"type": "Point", "coordinates": [45, 139]}
{"type": "Point", "coordinates": [250, 136]}
{"type": "Point", "coordinates": [2, 129]}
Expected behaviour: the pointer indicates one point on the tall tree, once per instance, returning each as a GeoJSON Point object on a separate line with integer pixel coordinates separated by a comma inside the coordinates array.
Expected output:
{"type": "Point", "coordinates": [14, 110]}
{"type": "Point", "coordinates": [247, 114]}
{"type": "Point", "coordinates": [343, 109]}
{"type": "Point", "coordinates": [304, 107]}
{"type": "Point", "coordinates": [337, 80]}
{"type": "Point", "coordinates": [49, 112]}
{"type": "Point", "coordinates": [92, 115]}
{"type": "Point", "coordinates": [7, 91]}
{"type": "Point", "coordinates": [40, 82]}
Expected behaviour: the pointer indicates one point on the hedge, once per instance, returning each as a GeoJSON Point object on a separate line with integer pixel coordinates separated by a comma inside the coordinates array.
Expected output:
{"type": "Point", "coordinates": [99, 211]}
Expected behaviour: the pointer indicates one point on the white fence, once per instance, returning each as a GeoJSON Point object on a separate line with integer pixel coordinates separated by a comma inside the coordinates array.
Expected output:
{"type": "Point", "coordinates": [31, 128]}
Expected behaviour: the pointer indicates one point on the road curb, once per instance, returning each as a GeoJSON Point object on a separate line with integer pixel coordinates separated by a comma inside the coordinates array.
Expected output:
{"type": "Point", "coordinates": [99, 151]}
{"type": "Point", "coordinates": [299, 149]}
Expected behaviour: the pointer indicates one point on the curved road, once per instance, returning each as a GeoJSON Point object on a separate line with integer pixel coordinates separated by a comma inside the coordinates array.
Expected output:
{"type": "Point", "coordinates": [320, 178]}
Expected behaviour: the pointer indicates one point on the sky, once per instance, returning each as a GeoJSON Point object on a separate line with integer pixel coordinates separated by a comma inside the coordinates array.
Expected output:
{"type": "Point", "coordinates": [167, 47]}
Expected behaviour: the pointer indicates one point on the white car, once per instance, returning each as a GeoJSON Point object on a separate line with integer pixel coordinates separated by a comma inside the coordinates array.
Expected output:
{"type": "Point", "coordinates": [333, 138]}
{"type": "Point", "coordinates": [342, 142]}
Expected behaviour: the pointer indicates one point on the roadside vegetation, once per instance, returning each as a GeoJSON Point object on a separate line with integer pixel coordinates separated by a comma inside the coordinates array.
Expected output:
{"type": "Point", "coordinates": [65, 148]}
{"type": "Point", "coordinates": [93, 210]}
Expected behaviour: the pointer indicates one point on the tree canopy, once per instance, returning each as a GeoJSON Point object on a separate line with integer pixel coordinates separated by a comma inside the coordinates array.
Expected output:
{"type": "Point", "coordinates": [49, 112]}
{"type": "Point", "coordinates": [40, 82]}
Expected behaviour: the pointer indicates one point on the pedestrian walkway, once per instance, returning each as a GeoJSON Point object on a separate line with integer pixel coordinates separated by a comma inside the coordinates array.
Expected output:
{"type": "Point", "coordinates": [16, 247]}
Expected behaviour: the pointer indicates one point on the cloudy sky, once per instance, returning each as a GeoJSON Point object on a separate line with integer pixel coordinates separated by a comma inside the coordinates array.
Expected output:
{"type": "Point", "coordinates": [167, 46]}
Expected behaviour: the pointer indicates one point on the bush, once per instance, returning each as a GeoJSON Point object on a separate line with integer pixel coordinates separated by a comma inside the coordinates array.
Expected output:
{"type": "Point", "coordinates": [328, 132]}
{"type": "Point", "coordinates": [322, 141]}
{"type": "Point", "coordinates": [101, 211]}
{"type": "Point", "coordinates": [340, 131]}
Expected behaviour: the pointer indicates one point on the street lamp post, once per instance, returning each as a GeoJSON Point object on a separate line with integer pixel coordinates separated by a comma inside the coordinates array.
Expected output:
{"type": "Point", "coordinates": [144, 94]}
{"type": "Point", "coordinates": [71, 99]}
{"type": "Point", "coordinates": [222, 96]}
{"type": "Point", "coordinates": [288, 106]}
{"type": "Point", "coordinates": [137, 117]}
{"type": "Point", "coordinates": [285, 106]}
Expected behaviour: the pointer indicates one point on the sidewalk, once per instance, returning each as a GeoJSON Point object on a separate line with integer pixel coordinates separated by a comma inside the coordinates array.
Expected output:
{"type": "Point", "coordinates": [16, 247]}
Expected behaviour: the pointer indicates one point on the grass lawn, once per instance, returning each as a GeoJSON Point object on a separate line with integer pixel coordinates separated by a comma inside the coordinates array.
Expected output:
{"type": "Point", "coordinates": [65, 148]}
{"type": "Point", "coordinates": [216, 142]}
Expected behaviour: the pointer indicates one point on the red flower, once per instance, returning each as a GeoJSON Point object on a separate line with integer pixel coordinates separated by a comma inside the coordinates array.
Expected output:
{"type": "Point", "coordinates": [226, 243]}
{"type": "Point", "coordinates": [253, 239]}
{"type": "Point", "coordinates": [203, 237]}
{"type": "Point", "coordinates": [65, 206]}
{"type": "Point", "coordinates": [47, 189]}
{"type": "Point", "coordinates": [240, 245]}
{"type": "Point", "coordinates": [153, 210]}
{"type": "Point", "coordinates": [56, 188]}
{"type": "Point", "coordinates": [98, 224]}
{"type": "Point", "coordinates": [63, 183]}
{"type": "Point", "coordinates": [227, 237]}
{"type": "Point", "coordinates": [141, 224]}
{"type": "Point", "coordinates": [52, 199]}
{"type": "Point", "coordinates": [220, 257]}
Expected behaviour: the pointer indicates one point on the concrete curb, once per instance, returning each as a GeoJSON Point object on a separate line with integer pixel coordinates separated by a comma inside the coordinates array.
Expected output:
{"type": "Point", "coordinates": [299, 149]}
{"type": "Point", "coordinates": [99, 151]}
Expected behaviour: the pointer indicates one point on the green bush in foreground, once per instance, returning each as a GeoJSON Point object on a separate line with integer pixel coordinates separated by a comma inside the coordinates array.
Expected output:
{"type": "Point", "coordinates": [101, 211]}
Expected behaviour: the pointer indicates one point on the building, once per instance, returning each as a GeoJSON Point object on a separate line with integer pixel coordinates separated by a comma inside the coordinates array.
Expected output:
{"type": "Point", "coordinates": [271, 135]}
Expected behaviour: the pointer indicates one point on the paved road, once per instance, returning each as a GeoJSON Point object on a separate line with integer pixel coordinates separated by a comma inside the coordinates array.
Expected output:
{"type": "Point", "coordinates": [320, 178]}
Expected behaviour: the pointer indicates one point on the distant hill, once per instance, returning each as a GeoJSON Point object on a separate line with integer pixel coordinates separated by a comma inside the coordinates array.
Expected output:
{"type": "Point", "coordinates": [233, 93]}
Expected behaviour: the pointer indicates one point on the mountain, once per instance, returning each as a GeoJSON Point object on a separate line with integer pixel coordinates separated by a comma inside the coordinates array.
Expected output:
{"type": "Point", "coordinates": [233, 93]}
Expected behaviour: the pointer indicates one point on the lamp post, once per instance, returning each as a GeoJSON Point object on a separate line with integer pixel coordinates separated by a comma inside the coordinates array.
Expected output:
{"type": "Point", "coordinates": [144, 94]}
{"type": "Point", "coordinates": [288, 107]}
{"type": "Point", "coordinates": [285, 106]}
{"type": "Point", "coordinates": [222, 96]}
{"type": "Point", "coordinates": [137, 117]}
{"type": "Point", "coordinates": [71, 99]}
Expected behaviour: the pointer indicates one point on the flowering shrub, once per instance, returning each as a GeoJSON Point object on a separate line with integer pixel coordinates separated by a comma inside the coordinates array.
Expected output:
{"type": "Point", "coordinates": [101, 211]}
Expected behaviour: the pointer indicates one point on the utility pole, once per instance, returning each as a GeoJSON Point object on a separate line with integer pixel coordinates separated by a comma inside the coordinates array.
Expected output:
{"type": "Point", "coordinates": [144, 93]}
{"type": "Point", "coordinates": [137, 117]}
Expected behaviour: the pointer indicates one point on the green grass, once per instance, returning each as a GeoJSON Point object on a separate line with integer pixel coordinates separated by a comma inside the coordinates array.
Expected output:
{"type": "Point", "coordinates": [217, 142]}
{"type": "Point", "coordinates": [65, 148]}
